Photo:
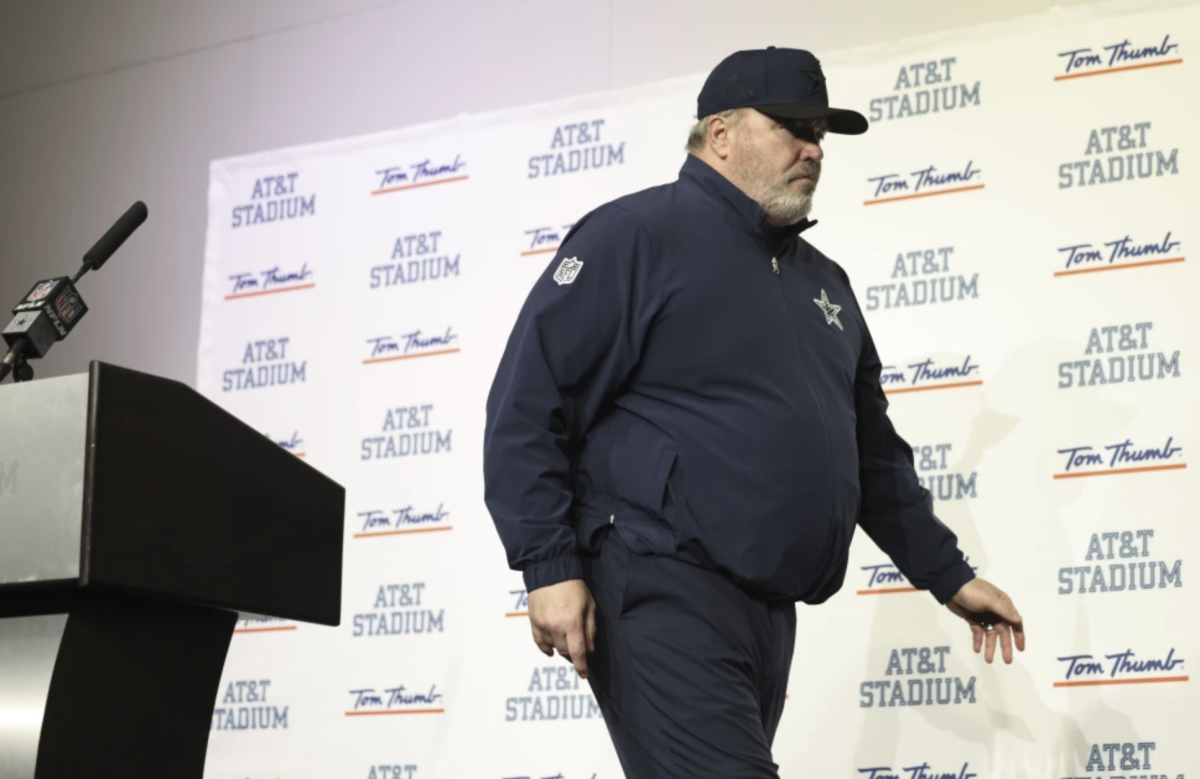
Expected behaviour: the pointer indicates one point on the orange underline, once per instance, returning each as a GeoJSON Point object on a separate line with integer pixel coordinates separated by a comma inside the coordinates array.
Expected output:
{"type": "Point", "coordinates": [1119, 267]}
{"type": "Point", "coordinates": [888, 591]}
{"type": "Point", "coordinates": [1066, 76]}
{"type": "Point", "coordinates": [409, 356]}
{"type": "Point", "coordinates": [263, 630]}
{"type": "Point", "coordinates": [268, 292]}
{"type": "Point", "coordinates": [1143, 469]}
{"type": "Point", "coordinates": [539, 251]}
{"type": "Point", "coordinates": [517, 614]}
{"type": "Point", "coordinates": [381, 713]}
{"type": "Point", "coordinates": [300, 454]}
{"type": "Point", "coordinates": [935, 387]}
{"type": "Point", "coordinates": [922, 194]}
{"type": "Point", "coordinates": [1121, 681]}
{"type": "Point", "coordinates": [402, 532]}
{"type": "Point", "coordinates": [422, 184]}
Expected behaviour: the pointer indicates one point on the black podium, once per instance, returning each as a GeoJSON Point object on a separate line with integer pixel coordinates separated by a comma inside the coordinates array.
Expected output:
{"type": "Point", "coordinates": [138, 520]}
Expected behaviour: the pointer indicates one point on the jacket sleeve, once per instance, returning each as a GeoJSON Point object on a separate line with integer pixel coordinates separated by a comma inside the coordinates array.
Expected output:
{"type": "Point", "coordinates": [574, 344]}
{"type": "Point", "coordinates": [897, 512]}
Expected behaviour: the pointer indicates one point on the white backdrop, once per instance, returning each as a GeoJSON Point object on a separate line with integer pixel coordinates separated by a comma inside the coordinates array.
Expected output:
{"type": "Point", "coordinates": [1030, 292]}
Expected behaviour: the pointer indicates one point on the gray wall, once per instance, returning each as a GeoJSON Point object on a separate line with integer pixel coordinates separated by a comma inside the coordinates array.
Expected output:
{"type": "Point", "coordinates": [104, 102]}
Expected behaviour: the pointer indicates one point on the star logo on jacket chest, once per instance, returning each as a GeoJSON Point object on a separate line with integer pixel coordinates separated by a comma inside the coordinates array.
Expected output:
{"type": "Point", "coordinates": [830, 310]}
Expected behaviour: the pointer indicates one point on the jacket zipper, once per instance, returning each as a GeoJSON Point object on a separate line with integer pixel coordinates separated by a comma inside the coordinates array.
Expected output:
{"type": "Point", "coordinates": [800, 353]}
{"type": "Point", "coordinates": [816, 401]}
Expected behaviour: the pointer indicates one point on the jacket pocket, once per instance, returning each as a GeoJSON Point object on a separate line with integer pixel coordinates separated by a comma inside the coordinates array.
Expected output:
{"type": "Point", "coordinates": [596, 463]}
{"type": "Point", "coordinates": [641, 460]}
{"type": "Point", "coordinates": [639, 467]}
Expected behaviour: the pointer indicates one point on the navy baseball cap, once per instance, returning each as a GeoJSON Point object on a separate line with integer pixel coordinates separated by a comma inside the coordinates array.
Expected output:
{"type": "Point", "coordinates": [785, 83]}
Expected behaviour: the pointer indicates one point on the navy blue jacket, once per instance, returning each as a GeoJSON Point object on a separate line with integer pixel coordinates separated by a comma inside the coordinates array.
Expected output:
{"type": "Point", "coordinates": [676, 373]}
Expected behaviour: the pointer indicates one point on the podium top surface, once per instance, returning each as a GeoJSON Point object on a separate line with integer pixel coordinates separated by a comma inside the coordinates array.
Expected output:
{"type": "Point", "coordinates": [120, 480]}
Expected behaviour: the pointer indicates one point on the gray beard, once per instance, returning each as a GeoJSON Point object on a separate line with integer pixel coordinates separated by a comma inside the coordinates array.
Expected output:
{"type": "Point", "coordinates": [783, 206]}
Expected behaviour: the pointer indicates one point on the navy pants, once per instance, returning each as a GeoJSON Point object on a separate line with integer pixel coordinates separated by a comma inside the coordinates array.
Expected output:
{"type": "Point", "coordinates": [690, 671]}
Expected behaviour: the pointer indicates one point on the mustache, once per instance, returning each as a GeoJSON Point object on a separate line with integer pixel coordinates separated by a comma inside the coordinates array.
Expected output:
{"type": "Point", "coordinates": [812, 171]}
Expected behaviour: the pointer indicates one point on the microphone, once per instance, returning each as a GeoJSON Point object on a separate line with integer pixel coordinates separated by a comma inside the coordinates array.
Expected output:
{"type": "Point", "coordinates": [52, 309]}
{"type": "Point", "coordinates": [112, 240]}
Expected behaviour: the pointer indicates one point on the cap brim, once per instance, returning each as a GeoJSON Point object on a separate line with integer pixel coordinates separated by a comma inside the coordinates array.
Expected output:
{"type": "Point", "coordinates": [841, 120]}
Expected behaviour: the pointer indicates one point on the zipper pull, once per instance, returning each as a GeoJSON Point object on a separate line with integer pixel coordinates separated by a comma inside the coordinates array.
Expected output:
{"type": "Point", "coordinates": [775, 265]}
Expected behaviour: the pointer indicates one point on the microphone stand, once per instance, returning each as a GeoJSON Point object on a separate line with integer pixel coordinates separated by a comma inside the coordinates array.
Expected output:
{"type": "Point", "coordinates": [14, 363]}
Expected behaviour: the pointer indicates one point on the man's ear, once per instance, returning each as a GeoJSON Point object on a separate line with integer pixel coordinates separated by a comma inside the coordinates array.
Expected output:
{"type": "Point", "coordinates": [720, 134]}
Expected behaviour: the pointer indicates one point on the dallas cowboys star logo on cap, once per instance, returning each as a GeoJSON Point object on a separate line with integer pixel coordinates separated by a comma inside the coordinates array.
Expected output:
{"type": "Point", "coordinates": [830, 310]}
{"type": "Point", "coordinates": [816, 80]}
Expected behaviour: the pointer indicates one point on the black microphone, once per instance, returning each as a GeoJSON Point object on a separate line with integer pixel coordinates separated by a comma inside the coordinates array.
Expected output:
{"type": "Point", "coordinates": [112, 240]}
{"type": "Point", "coordinates": [52, 309]}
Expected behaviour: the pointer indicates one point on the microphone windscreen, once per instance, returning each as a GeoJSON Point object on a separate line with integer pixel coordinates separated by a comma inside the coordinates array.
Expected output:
{"type": "Point", "coordinates": [116, 235]}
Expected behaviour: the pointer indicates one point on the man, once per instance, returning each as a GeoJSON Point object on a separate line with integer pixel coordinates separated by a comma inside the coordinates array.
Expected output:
{"type": "Point", "coordinates": [686, 426]}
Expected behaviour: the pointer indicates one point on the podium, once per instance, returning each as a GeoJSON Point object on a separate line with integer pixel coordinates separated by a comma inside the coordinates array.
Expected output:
{"type": "Point", "coordinates": [138, 520]}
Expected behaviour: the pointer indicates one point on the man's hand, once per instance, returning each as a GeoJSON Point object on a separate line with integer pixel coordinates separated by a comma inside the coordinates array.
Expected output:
{"type": "Point", "coordinates": [981, 603]}
{"type": "Point", "coordinates": [563, 617]}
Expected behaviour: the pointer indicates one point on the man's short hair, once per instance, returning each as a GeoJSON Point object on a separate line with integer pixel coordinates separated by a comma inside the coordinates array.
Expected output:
{"type": "Point", "coordinates": [699, 132]}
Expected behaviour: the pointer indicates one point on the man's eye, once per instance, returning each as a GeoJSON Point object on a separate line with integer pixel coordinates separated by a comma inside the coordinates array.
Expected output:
{"type": "Point", "coordinates": [806, 133]}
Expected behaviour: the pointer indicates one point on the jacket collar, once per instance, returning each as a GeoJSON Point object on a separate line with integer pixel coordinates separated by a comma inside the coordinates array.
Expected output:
{"type": "Point", "coordinates": [751, 213]}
